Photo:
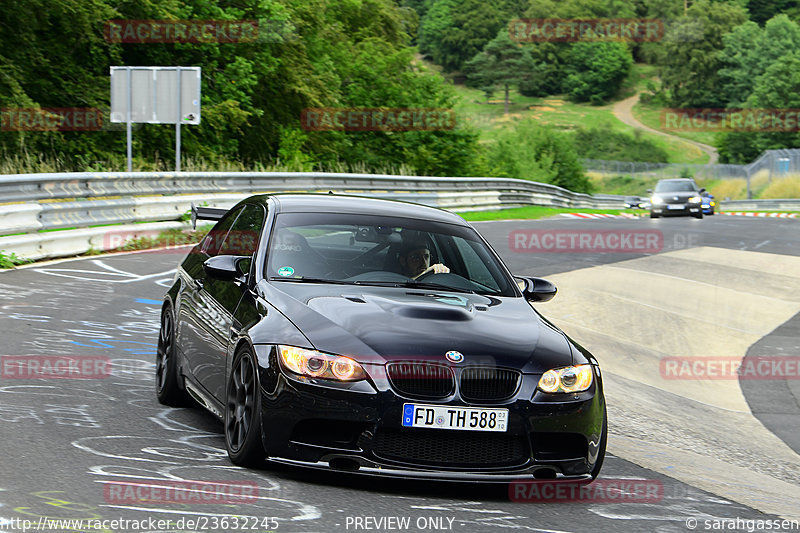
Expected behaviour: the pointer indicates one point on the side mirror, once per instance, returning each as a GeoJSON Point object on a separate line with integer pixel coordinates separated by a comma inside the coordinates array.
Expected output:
{"type": "Point", "coordinates": [702, 190]}
{"type": "Point", "coordinates": [536, 289]}
{"type": "Point", "coordinates": [225, 267]}
{"type": "Point", "coordinates": [649, 191]}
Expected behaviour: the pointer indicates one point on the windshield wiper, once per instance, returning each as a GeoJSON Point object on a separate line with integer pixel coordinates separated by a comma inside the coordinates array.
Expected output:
{"type": "Point", "coordinates": [428, 285]}
{"type": "Point", "coordinates": [414, 285]}
{"type": "Point", "coordinates": [313, 280]}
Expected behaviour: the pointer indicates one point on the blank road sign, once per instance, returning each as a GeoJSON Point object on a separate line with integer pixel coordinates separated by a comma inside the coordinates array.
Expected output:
{"type": "Point", "coordinates": [154, 94]}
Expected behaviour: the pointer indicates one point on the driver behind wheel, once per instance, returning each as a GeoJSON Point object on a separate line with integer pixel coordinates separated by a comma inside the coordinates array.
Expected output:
{"type": "Point", "coordinates": [415, 259]}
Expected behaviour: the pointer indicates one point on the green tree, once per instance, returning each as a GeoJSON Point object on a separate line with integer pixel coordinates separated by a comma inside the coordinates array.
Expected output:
{"type": "Point", "coordinates": [750, 50]}
{"type": "Point", "coordinates": [453, 31]}
{"type": "Point", "coordinates": [502, 63]}
{"type": "Point", "coordinates": [309, 53]}
{"type": "Point", "coordinates": [581, 9]}
{"type": "Point", "coordinates": [378, 75]}
{"type": "Point", "coordinates": [539, 153]}
{"type": "Point", "coordinates": [553, 58]}
{"type": "Point", "coordinates": [548, 74]}
{"type": "Point", "coordinates": [595, 71]}
{"type": "Point", "coordinates": [777, 88]}
{"type": "Point", "coordinates": [763, 10]}
{"type": "Point", "coordinates": [433, 27]}
{"type": "Point", "coordinates": [690, 63]}
{"type": "Point", "coordinates": [53, 54]}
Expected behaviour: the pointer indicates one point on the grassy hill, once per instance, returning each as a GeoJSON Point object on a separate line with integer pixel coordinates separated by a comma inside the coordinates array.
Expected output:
{"type": "Point", "coordinates": [557, 111]}
{"type": "Point", "coordinates": [489, 119]}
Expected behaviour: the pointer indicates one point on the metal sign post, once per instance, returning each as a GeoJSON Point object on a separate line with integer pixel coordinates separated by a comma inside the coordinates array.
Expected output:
{"type": "Point", "coordinates": [155, 95]}
{"type": "Point", "coordinates": [128, 128]}
{"type": "Point", "coordinates": [178, 125]}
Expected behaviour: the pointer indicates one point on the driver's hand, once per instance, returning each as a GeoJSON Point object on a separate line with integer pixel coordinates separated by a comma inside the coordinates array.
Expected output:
{"type": "Point", "coordinates": [438, 268]}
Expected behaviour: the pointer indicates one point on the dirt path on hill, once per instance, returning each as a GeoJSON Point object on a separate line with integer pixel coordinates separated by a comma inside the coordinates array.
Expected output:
{"type": "Point", "coordinates": [623, 110]}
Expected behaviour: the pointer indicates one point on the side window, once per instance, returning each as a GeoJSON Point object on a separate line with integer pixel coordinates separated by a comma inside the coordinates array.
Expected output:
{"type": "Point", "coordinates": [242, 239]}
{"type": "Point", "coordinates": [216, 237]}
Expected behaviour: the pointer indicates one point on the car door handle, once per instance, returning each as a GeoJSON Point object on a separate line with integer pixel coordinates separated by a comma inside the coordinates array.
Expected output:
{"type": "Point", "coordinates": [198, 282]}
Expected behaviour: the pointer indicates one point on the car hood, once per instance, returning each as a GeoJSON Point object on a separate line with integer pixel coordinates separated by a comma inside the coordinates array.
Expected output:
{"type": "Point", "coordinates": [379, 324]}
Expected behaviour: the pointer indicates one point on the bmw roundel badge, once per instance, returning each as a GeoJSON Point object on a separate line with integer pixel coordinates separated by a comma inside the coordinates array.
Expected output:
{"type": "Point", "coordinates": [454, 356]}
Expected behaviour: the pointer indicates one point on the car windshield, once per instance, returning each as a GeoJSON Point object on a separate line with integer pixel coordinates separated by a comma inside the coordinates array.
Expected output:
{"type": "Point", "coordinates": [383, 251]}
{"type": "Point", "coordinates": [675, 186]}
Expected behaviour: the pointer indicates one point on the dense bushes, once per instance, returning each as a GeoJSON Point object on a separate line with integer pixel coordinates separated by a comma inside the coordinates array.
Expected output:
{"type": "Point", "coordinates": [604, 143]}
{"type": "Point", "coordinates": [536, 152]}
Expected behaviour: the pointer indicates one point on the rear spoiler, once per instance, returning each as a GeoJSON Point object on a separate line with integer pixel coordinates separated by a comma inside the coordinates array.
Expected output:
{"type": "Point", "coordinates": [206, 213]}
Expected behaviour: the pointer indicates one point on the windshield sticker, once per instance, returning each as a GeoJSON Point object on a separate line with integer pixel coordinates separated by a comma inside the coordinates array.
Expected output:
{"type": "Point", "coordinates": [285, 271]}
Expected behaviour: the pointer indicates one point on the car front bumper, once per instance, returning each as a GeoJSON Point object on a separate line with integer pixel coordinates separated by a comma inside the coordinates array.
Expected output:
{"type": "Point", "coordinates": [676, 209]}
{"type": "Point", "coordinates": [360, 430]}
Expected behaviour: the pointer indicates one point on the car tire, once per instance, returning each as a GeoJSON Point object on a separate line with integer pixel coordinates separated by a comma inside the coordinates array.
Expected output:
{"type": "Point", "coordinates": [601, 454]}
{"type": "Point", "coordinates": [168, 389]}
{"type": "Point", "coordinates": [653, 215]}
{"type": "Point", "coordinates": [699, 215]}
{"type": "Point", "coordinates": [243, 413]}
{"type": "Point", "coordinates": [712, 212]}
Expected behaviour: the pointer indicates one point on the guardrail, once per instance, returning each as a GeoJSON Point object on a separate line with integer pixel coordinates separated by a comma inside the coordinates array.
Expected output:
{"type": "Point", "coordinates": [179, 190]}
{"type": "Point", "coordinates": [37, 187]}
{"type": "Point", "coordinates": [144, 202]}
{"type": "Point", "coordinates": [790, 204]}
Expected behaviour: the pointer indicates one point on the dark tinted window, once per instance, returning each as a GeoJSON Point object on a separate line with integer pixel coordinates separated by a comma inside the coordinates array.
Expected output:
{"type": "Point", "coordinates": [216, 237]}
{"type": "Point", "coordinates": [242, 238]}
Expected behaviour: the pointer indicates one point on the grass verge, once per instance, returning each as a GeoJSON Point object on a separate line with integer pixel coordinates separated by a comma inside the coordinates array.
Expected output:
{"type": "Point", "coordinates": [530, 212]}
{"type": "Point", "coordinates": [11, 260]}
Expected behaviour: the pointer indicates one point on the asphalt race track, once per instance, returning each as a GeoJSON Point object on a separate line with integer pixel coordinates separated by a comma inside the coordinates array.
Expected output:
{"type": "Point", "coordinates": [717, 449]}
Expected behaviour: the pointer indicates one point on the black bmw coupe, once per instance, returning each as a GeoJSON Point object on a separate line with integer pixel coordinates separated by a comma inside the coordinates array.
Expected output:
{"type": "Point", "coordinates": [377, 337]}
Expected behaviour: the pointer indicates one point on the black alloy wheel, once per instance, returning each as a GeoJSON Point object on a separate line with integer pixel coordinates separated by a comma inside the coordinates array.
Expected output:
{"type": "Point", "coordinates": [168, 390]}
{"type": "Point", "coordinates": [243, 413]}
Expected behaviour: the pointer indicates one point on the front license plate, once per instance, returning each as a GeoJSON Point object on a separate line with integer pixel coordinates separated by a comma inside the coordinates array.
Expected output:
{"type": "Point", "coordinates": [446, 417]}
{"type": "Point", "coordinates": [676, 207]}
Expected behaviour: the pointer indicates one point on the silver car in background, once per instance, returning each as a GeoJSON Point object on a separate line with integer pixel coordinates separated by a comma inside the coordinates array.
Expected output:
{"type": "Point", "coordinates": [676, 197]}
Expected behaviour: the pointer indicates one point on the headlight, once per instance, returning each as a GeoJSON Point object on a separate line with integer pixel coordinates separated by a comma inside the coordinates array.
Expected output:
{"type": "Point", "coordinates": [695, 200]}
{"type": "Point", "coordinates": [316, 364]}
{"type": "Point", "coordinates": [567, 379]}
{"type": "Point", "coordinates": [656, 200]}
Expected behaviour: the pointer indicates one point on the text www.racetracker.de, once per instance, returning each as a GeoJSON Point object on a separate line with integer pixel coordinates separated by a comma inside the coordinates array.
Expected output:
{"type": "Point", "coordinates": [191, 523]}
